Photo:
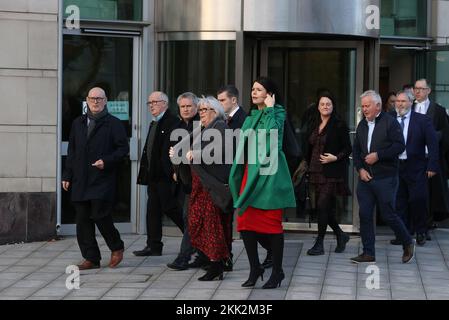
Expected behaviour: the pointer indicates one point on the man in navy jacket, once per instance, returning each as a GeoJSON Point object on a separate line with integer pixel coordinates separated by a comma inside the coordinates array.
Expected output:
{"type": "Point", "coordinates": [415, 168]}
{"type": "Point", "coordinates": [377, 145]}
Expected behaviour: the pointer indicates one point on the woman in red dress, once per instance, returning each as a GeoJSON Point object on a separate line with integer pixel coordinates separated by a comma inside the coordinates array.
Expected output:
{"type": "Point", "coordinates": [262, 189]}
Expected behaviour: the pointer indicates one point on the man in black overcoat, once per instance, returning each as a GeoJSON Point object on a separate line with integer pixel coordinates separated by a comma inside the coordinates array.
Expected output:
{"type": "Point", "coordinates": [156, 172]}
{"type": "Point", "coordinates": [97, 145]}
{"type": "Point", "coordinates": [438, 189]}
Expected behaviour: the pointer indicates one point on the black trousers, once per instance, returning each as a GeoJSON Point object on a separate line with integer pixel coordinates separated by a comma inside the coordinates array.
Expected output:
{"type": "Point", "coordinates": [161, 200]}
{"type": "Point", "coordinates": [88, 215]}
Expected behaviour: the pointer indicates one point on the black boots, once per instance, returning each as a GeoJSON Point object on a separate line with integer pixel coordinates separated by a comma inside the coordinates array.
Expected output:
{"type": "Point", "coordinates": [317, 249]}
{"type": "Point", "coordinates": [274, 281]}
{"type": "Point", "coordinates": [342, 239]}
{"type": "Point", "coordinates": [268, 262]}
{"type": "Point", "coordinates": [253, 276]}
{"type": "Point", "coordinates": [215, 272]}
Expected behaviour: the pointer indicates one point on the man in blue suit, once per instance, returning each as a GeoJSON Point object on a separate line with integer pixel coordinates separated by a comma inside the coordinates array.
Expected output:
{"type": "Point", "coordinates": [414, 167]}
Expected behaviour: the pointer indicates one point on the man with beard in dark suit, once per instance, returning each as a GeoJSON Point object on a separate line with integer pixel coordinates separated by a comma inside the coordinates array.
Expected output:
{"type": "Point", "coordinates": [415, 168]}
{"type": "Point", "coordinates": [156, 172]}
{"type": "Point", "coordinates": [438, 189]}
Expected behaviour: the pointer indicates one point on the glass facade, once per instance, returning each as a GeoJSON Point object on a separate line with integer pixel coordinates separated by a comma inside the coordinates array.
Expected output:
{"type": "Point", "coordinates": [330, 68]}
{"type": "Point", "coordinates": [197, 66]}
{"type": "Point", "coordinates": [404, 18]}
{"type": "Point", "coordinates": [439, 76]}
{"type": "Point", "coordinates": [107, 9]}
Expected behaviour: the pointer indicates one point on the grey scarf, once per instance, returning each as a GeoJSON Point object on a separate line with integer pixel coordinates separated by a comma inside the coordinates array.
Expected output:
{"type": "Point", "coordinates": [93, 118]}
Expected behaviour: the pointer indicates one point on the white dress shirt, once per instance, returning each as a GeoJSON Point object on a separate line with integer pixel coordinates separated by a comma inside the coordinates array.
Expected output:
{"type": "Point", "coordinates": [230, 115]}
{"type": "Point", "coordinates": [403, 155]}
{"type": "Point", "coordinates": [371, 126]}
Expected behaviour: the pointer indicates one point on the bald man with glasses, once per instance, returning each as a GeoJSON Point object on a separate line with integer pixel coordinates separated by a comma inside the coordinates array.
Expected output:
{"type": "Point", "coordinates": [97, 145]}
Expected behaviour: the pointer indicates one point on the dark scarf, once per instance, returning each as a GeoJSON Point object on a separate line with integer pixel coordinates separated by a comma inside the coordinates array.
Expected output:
{"type": "Point", "coordinates": [93, 118]}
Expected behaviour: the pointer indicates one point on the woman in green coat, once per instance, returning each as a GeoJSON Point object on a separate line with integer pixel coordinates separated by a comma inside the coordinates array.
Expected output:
{"type": "Point", "coordinates": [260, 181]}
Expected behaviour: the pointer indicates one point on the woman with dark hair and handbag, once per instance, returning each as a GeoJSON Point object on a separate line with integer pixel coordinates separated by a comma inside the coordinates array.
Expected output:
{"type": "Point", "coordinates": [260, 194]}
{"type": "Point", "coordinates": [210, 204]}
{"type": "Point", "coordinates": [327, 159]}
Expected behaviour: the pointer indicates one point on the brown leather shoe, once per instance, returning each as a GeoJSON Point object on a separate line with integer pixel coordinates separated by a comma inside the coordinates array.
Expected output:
{"type": "Point", "coordinates": [409, 253]}
{"type": "Point", "coordinates": [116, 258]}
{"type": "Point", "coordinates": [87, 265]}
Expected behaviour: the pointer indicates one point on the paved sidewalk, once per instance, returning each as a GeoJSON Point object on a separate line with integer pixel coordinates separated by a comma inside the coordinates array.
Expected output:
{"type": "Point", "coordinates": [37, 271]}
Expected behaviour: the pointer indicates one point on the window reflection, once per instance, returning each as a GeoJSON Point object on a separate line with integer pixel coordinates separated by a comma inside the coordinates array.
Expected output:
{"type": "Point", "coordinates": [406, 18]}
{"type": "Point", "coordinates": [197, 66]}
{"type": "Point", "coordinates": [107, 9]}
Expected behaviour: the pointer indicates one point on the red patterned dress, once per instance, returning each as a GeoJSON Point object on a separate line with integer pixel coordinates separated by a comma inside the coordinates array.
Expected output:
{"type": "Point", "coordinates": [259, 220]}
{"type": "Point", "coordinates": [208, 225]}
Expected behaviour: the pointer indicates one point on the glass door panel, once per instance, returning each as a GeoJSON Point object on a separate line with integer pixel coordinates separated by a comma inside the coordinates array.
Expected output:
{"type": "Point", "coordinates": [301, 69]}
{"type": "Point", "coordinates": [106, 62]}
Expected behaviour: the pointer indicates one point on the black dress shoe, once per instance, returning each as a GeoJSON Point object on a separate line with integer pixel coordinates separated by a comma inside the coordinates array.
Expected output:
{"type": "Point", "coordinates": [178, 264]}
{"type": "Point", "coordinates": [396, 242]}
{"type": "Point", "coordinates": [147, 252]}
{"type": "Point", "coordinates": [215, 272]}
{"type": "Point", "coordinates": [421, 239]}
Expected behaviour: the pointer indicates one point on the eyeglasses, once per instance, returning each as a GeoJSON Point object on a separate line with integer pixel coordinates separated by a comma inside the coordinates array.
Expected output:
{"type": "Point", "coordinates": [149, 103]}
{"type": "Point", "coordinates": [202, 110]}
{"type": "Point", "coordinates": [420, 89]}
{"type": "Point", "coordinates": [95, 99]}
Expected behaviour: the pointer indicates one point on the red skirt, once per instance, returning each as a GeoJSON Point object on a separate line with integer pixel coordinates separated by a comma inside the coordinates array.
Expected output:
{"type": "Point", "coordinates": [259, 220]}
{"type": "Point", "coordinates": [209, 227]}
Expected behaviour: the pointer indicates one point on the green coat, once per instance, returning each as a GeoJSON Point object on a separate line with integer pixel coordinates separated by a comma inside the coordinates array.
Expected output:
{"type": "Point", "coordinates": [273, 189]}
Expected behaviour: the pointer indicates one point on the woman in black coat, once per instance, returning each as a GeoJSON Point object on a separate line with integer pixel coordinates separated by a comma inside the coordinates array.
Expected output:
{"type": "Point", "coordinates": [210, 203]}
{"type": "Point", "coordinates": [327, 157]}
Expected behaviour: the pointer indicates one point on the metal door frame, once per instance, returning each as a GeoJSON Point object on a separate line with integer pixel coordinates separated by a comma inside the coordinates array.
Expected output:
{"type": "Point", "coordinates": [359, 77]}
{"type": "Point", "coordinates": [127, 227]}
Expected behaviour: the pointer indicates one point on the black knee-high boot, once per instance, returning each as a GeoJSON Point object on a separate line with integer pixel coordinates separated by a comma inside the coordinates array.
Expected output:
{"type": "Point", "coordinates": [265, 242]}
{"type": "Point", "coordinates": [277, 275]}
{"type": "Point", "coordinates": [256, 271]}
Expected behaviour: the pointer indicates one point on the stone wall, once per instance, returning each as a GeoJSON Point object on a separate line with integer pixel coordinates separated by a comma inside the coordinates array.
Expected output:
{"type": "Point", "coordinates": [28, 119]}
